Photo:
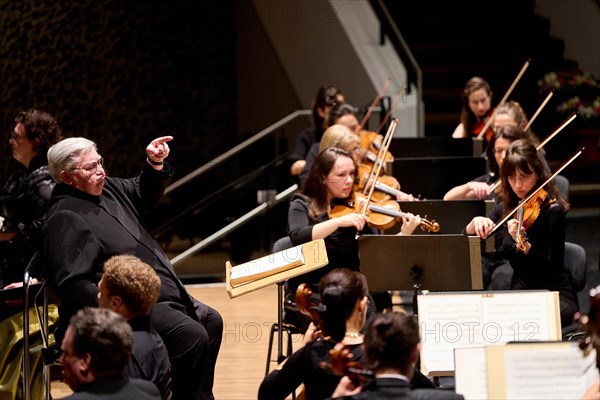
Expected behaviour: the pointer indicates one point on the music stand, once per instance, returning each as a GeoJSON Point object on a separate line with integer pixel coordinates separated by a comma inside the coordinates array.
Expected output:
{"type": "Point", "coordinates": [435, 147]}
{"type": "Point", "coordinates": [432, 177]}
{"type": "Point", "coordinates": [314, 255]}
{"type": "Point", "coordinates": [421, 262]}
{"type": "Point", "coordinates": [42, 290]}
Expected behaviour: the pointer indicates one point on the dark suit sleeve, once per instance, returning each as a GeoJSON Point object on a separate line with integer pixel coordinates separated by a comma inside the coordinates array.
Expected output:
{"type": "Point", "coordinates": [145, 190]}
{"type": "Point", "coordinates": [71, 249]}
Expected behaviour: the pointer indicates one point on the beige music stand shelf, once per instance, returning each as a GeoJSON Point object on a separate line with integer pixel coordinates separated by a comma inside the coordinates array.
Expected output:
{"type": "Point", "coordinates": [314, 257]}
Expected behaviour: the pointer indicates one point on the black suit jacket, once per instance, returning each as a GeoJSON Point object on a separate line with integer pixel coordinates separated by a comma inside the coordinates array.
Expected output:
{"type": "Point", "coordinates": [399, 389]}
{"type": "Point", "coordinates": [116, 387]}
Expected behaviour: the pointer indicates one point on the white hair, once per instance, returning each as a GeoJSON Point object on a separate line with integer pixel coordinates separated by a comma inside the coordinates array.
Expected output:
{"type": "Point", "coordinates": [65, 154]}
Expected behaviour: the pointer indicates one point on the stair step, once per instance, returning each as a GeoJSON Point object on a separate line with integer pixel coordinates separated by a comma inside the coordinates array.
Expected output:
{"type": "Point", "coordinates": [450, 51]}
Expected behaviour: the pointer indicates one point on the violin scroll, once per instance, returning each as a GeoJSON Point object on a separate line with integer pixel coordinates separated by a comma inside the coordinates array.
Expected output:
{"type": "Point", "coordinates": [430, 226]}
{"type": "Point", "coordinates": [306, 307]}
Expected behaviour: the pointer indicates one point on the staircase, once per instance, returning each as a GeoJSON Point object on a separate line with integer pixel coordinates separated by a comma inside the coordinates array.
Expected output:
{"type": "Point", "coordinates": [491, 39]}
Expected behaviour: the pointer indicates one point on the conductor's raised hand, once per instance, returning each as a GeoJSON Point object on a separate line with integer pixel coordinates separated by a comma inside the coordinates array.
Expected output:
{"type": "Point", "coordinates": [158, 149]}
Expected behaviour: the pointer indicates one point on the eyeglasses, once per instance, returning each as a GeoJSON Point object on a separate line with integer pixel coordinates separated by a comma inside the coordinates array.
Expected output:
{"type": "Point", "coordinates": [499, 151]}
{"type": "Point", "coordinates": [522, 178]}
{"type": "Point", "coordinates": [92, 166]}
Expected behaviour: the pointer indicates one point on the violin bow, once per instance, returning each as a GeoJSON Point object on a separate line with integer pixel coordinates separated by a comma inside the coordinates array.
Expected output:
{"type": "Point", "coordinates": [384, 148]}
{"type": "Point", "coordinates": [392, 106]}
{"type": "Point", "coordinates": [539, 109]}
{"type": "Point", "coordinates": [526, 199]}
{"type": "Point", "coordinates": [566, 122]}
{"type": "Point", "coordinates": [375, 100]}
{"type": "Point", "coordinates": [508, 92]}
{"type": "Point", "coordinates": [381, 153]}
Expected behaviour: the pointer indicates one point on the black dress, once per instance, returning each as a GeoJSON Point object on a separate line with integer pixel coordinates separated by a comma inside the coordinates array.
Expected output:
{"type": "Point", "coordinates": [342, 246]}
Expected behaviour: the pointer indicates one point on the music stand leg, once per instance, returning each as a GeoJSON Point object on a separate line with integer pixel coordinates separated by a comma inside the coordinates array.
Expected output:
{"type": "Point", "coordinates": [417, 273]}
{"type": "Point", "coordinates": [26, 361]}
{"type": "Point", "coordinates": [280, 356]}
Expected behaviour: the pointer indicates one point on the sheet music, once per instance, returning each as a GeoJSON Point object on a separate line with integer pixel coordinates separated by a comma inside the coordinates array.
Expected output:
{"type": "Point", "coordinates": [525, 320]}
{"type": "Point", "coordinates": [449, 321]}
{"type": "Point", "coordinates": [550, 372]}
{"type": "Point", "coordinates": [471, 372]}
{"type": "Point", "coordinates": [267, 265]}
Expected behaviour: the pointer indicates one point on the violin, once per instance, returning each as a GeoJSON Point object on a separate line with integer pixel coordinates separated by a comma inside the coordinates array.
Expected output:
{"type": "Point", "coordinates": [342, 364]}
{"type": "Point", "coordinates": [370, 143]}
{"type": "Point", "coordinates": [534, 201]}
{"type": "Point", "coordinates": [573, 115]}
{"type": "Point", "coordinates": [484, 123]}
{"type": "Point", "coordinates": [386, 186]}
{"type": "Point", "coordinates": [528, 213]}
{"type": "Point", "coordinates": [382, 215]}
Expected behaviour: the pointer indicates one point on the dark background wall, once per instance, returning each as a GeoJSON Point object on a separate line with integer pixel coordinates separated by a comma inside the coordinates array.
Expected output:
{"type": "Point", "coordinates": [121, 73]}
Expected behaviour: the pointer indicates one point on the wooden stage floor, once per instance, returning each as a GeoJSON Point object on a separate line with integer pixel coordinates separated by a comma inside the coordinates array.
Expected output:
{"type": "Point", "coordinates": [242, 360]}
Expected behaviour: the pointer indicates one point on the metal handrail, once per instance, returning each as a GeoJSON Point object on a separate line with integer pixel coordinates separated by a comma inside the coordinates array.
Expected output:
{"type": "Point", "coordinates": [216, 161]}
{"type": "Point", "coordinates": [413, 71]}
{"type": "Point", "coordinates": [238, 222]}
{"type": "Point", "coordinates": [213, 197]}
{"type": "Point", "coordinates": [251, 214]}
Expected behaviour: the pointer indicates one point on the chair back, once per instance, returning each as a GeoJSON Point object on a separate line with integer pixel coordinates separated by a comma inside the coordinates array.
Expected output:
{"type": "Point", "coordinates": [291, 314]}
{"type": "Point", "coordinates": [282, 244]}
{"type": "Point", "coordinates": [575, 264]}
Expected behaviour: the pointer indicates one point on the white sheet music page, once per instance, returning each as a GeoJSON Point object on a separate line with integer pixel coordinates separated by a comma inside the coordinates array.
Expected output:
{"type": "Point", "coordinates": [447, 322]}
{"type": "Point", "coordinates": [522, 320]}
{"type": "Point", "coordinates": [267, 265]}
{"type": "Point", "coordinates": [471, 372]}
{"type": "Point", "coordinates": [557, 372]}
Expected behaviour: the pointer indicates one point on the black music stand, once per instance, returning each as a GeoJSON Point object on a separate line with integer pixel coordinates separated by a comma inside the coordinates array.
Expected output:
{"type": "Point", "coordinates": [435, 147]}
{"type": "Point", "coordinates": [432, 177]}
{"type": "Point", "coordinates": [452, 215]}
{"type": "Point", "coordinates": [34, 290]}
{"type": "Point", "coordinates": [421, 262]}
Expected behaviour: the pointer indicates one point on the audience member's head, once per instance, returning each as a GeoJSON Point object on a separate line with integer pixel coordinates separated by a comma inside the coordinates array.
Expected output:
{"type": "Point", "coordinates": [128, 286]}
{"type": "Point", "coordinates": [392, 344]}
{"type": "Point", "coordinates": [98, 342]}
